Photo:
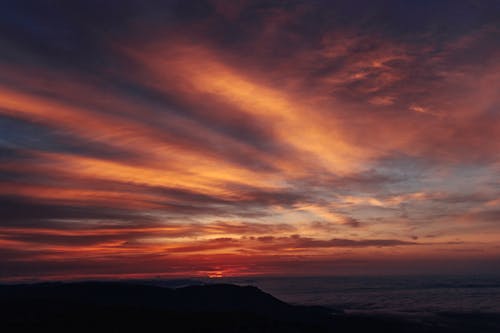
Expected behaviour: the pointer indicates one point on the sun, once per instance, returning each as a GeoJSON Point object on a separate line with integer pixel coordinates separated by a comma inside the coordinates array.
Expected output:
{"type": "Point", "coordinates": [215, 275]}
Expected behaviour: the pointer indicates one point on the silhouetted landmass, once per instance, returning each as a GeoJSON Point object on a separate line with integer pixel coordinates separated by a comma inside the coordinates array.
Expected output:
{"type": "Point", "coordinates": [126, 307]}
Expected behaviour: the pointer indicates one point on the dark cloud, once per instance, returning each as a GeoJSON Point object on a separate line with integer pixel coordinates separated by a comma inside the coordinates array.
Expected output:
{"type": "Point", "coordinates": [487, 215]}
{"type": "Point", "coordinates": [305, 242]}
{"type": "Point", "coordinates": [324, 226]}
{"type": "Point", "coordinates": [352, 222]}
{"type": "Point", "coordinates": [19, 211]}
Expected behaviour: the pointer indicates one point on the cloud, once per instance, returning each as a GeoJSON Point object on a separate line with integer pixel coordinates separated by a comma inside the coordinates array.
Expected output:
{"type": "Point", "coordinates": [297, 242]}
{"type": "Point", "coordinates": [162, 132]}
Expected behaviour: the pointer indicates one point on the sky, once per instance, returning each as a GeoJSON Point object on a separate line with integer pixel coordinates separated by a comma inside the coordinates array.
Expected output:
{"type": "Point", "coordinates": [234, 138]}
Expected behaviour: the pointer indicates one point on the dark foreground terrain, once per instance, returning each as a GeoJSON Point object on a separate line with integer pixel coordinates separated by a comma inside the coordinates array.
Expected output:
{"type": "Point", "coordinates": [126, 307]}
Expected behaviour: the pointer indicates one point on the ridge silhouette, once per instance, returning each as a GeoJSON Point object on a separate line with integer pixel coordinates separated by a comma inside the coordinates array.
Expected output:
{"type": "Point", "coordinates": [221, 308]}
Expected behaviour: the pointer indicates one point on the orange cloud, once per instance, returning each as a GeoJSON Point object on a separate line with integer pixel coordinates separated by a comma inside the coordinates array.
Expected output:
{"type": "Point", "coordinates": [201, 145]}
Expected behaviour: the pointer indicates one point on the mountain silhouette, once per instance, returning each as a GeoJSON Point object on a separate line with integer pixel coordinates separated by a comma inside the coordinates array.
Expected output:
{"type": "Point", "coordinates": [221, 308]}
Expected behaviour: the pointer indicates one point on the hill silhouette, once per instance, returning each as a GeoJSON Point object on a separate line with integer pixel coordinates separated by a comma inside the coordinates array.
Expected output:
{"type": "Point", "coordinates": [129, 307]}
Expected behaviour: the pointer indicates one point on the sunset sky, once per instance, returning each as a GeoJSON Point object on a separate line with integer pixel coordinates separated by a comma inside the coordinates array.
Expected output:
{"type": "Point", "coordinates": [209, 138]}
